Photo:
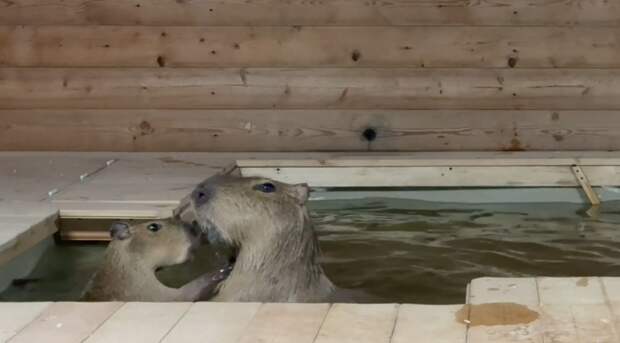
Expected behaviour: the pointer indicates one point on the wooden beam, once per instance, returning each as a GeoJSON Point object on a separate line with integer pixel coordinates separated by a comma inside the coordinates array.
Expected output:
{"type": "Point", "coordinates": [242, 46]}
{"type": "Point", "coordinates": [299, 12]}
{"type": "Point", "coordinates": [335, 88]}
{"type": "Point", "coordinates": [290, 130]}
{"type": "Point", "coordinates": [473, 176]}
{"type": "Point", "coordinates": [582, 178]}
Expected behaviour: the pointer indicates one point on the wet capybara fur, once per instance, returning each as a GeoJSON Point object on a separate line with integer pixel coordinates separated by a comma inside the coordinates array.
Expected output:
{"type": "Point", "coordinates": [136, 252]}
{"type": "Point", "coordinates": [275, 249]}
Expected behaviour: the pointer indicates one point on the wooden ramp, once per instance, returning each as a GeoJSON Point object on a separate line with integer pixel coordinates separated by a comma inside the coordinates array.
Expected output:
{"type": "Point", "coordinates": [499, 310]}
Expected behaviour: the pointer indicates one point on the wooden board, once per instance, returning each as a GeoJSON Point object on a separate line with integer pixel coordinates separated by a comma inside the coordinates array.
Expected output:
{"type": "Point", "coordinates": [424, 323]}
{"type": "Point", "coordinates": [241, 46]}
{"type": "Point", "coordinates": [34, 176]}
{"type": "Point", "coordinates": [271, 88]}
{"type": "Point", "coordinates": [357, 323]}
{"type": "Point", "coordinates": [488, 176]}
{"type": "Point", "coordinates": [15, 316]}
{"type": "Point", "coordinates": [285, 323]}
{"type": "Point", "coordinates": [155, 183]}
{"type": "Point", "coordinates": [20, 233]}
{"type": "Point", "coordinates": [299, 12]}
{"type": "Point", "coordinates": [435, 159]}
{"type": "Point", "coordinates": [140, 322]}
{"type": "Point", "coordinates": [66, 322]}
{"type": "Point", "coordinates": [289, 130]}
{"type": "Point", "coordinates": [161, 179]}
{"type": "Point", "coordinates": [213, 322]}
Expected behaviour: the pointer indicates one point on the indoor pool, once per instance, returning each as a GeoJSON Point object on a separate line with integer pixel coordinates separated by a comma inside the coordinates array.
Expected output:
{"type": "Point", "coordinates": [404, 251]}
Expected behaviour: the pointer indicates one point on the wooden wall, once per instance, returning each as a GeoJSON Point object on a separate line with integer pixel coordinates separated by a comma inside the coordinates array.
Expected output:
{"type": "Point", "coordinates": [300, 75]}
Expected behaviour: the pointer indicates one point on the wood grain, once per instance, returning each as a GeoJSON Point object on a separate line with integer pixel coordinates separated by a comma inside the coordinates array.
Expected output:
{"type": "Point", "coordinates": [338, 88]}
{"type": "Point", "coordinates": [290, 130]}
{"type": "Point", "coordinates": [300, 46]}
{"type": "Point", "coordinates": [301, 12]}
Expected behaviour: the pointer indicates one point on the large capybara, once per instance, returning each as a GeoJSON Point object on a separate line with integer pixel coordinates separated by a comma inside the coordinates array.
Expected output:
{"type": "Point", "coordinates": [136, 252]}
{"type": "Point", "coordinates": [275, 249]}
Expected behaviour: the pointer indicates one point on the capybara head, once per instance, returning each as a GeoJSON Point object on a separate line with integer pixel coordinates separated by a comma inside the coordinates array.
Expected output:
{"type": "Point", "coordinates": [156, 243]}
{"type": "Point", "coordinates": [241, 209]}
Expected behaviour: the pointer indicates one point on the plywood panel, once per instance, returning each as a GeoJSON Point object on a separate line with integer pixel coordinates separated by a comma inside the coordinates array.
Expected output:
{"type": "Point", "coordinates": [299, 12]}
{"type": "Point", "coordinates": [66, 322]}
{"type": "Point", "coordinates": [242, 46]}
{"type": "Point", "coordinates": [352, 88]}
{"type": "Point", "coordinates": [289, 130]}
{"type": "Point", "coordinates": [140, 322]}
{"type": "Point", "coordinates": [213, 322]}
{"type": "Point", "coordinates": [357, 323]}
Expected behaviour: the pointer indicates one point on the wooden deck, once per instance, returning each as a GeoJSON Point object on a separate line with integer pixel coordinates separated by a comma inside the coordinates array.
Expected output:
{"type": "Point", "coordinates": [498, 310]}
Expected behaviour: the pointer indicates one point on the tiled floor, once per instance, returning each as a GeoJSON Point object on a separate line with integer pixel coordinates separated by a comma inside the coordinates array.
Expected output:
{"type": "Point", "coordinates": [499, 310]}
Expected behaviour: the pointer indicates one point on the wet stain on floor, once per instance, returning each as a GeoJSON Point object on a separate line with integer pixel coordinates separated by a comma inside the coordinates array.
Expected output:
{"type": "Point", "coordinates": [491, 314]}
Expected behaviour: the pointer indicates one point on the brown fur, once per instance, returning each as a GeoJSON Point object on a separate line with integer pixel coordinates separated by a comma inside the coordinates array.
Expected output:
{"type": "Point", "coordinates": [276, 246]}
{"type": "Point", "coordinates": [128, 269]}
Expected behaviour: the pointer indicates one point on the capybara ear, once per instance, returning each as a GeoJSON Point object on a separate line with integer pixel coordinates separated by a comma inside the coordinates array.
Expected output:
{"type": "Point", "coordinates": [119, 231]}
{"type": "Point", "coordinates": [302, 192]}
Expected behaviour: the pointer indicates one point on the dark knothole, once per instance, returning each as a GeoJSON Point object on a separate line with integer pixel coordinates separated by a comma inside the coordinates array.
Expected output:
{"type": "Point", "coordinates": [369, 134]}
{"type": "Point", "coordinates": [512, 62]}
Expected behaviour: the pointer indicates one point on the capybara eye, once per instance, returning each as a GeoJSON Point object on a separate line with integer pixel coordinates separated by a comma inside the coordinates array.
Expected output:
{"type": "Point", "coordinates": [153, 227]}
{"type": "Point", "coordinates": [201, 195]}
{"type": "Point", "coordinates": [267, 187]}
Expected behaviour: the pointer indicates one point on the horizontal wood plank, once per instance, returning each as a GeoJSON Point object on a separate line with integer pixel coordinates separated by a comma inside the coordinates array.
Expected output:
{"type": "Point", "coordinates": [300, 12]}
{"type": "Point", "coordinates": [290, 130]}
{"type": "Point", "coordinates": [506, 176]}
{"type": "Point", "coordinates": [271, 88]}
{"type": "Point", "coordinates": [150, 46]}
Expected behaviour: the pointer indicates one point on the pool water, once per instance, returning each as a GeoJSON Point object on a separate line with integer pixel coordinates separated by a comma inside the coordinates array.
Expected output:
{"type": "Point", "coordinates": [401, 250]}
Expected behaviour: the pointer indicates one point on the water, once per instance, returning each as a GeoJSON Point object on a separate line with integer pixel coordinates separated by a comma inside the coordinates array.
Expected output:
{"type": "Point", "coordinates": [403, 250]}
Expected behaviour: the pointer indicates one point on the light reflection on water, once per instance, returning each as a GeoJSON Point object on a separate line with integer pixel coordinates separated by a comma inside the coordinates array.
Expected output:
{"type": "Point", "coordinates": [404, 250]}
